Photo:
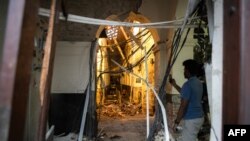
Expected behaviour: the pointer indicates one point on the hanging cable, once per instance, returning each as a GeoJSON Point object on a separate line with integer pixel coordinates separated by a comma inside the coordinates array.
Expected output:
{"type": "Point", "coordinates": [85, 109]}
{"type": "Point", "coordinates": [120, 71]}
{"type": "Point", "coordinates": [175, 50]}
{"type": "Point", "coordinates": [131, 66]}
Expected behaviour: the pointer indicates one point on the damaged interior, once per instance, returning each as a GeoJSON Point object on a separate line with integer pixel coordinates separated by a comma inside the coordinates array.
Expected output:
{"type": "Point", "coordinates": [100, 70]}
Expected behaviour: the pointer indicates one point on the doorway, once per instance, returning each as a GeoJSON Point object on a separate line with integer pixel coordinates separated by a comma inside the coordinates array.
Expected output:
{"type": "Point", "coordinates": [124, 61]}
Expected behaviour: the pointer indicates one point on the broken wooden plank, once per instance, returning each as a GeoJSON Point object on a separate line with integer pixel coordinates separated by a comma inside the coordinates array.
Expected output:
{"type": "Point", "coordinates": [47, 67]}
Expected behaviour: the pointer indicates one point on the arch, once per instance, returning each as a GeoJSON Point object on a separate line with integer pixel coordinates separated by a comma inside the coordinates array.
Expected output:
{"type": "Point", "coordinates": [155, 40]}
{"type": "Point", "coordinates": [132, 16]}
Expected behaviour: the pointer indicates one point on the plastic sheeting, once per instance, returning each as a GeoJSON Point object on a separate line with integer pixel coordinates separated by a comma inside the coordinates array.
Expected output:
{"type": "Point", "coordinates": [71, 67]}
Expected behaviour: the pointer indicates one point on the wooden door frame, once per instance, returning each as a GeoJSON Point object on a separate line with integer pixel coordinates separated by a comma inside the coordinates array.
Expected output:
{"type": "Point", "coordinates": [15, 70]}
{"type": "Point", "coordinates": [236, 58]}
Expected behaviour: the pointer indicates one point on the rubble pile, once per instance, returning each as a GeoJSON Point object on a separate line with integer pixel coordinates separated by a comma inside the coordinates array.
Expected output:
{"type": "Point", "coordinates": [131, 109]}
{"type": "Point", "coordinates": [161, 137]}
{"type": "Point", "coordinates": [120, 111]}
{"type": "Point", "coordinates": [112, 110]}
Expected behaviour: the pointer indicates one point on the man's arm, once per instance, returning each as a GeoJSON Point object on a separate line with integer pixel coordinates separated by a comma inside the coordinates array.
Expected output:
{"type": "Point", "coordinates": [181, 111]}
{"type": "Point", "coordinates": [177, 87]}
{"type": "Point", "coordinates": [172, 81]}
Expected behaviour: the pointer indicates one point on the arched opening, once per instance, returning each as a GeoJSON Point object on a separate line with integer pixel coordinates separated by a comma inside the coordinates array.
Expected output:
{"type": "Point", "coordinates": [125, 56]}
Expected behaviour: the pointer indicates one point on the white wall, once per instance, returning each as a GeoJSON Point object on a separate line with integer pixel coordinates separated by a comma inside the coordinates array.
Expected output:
{"type": "Point", "coordinates": [71, 67]}
{"type": "Point", "coordinates": [214, 71]}
{"type": "Point", "coordinates": [178, 68]}
{"type": "Point", "coordinates": [156, 11]}
{"type": "Point", "coordinates": [217, 73]}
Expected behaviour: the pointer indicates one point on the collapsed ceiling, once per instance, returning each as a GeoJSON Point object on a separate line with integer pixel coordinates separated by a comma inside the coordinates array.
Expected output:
{"type": "Point", "coordinates": [100, 9]}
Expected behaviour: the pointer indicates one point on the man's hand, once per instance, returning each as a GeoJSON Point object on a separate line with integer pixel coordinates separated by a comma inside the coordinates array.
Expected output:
{"type": "Point", "coordinates": [175, 127]}
{"type": "Point", "coordinates": [171, 80]}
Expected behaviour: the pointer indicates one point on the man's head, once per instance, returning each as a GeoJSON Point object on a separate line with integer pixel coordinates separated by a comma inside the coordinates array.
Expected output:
{"type": "Point", "coordinates": [190, 68]}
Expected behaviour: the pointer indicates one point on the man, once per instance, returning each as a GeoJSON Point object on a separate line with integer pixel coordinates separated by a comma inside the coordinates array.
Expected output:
{"type": "Point", "coordinates": [190, 109]}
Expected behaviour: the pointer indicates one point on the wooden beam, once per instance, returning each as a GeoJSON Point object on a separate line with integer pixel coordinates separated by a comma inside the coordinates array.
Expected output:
{"type": "Point", "coordinates": [16, 67]}
{"type": "Point", "coordinates": [231, 61]}
{"type": "Point", "coordinates": [244, 116]}
{"type": "Point", "coordinates": [47, 68]}
{"type": "Point", "coordinates": [236, 78]}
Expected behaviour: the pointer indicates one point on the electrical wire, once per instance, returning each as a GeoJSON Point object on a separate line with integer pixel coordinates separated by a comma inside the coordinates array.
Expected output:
{"type": "Point", "coordinates": [131, 66]}
{"type": "Point", "coordinates": [86, 104]}
{"type": "Point", "coordinates": [175, 50]}
{"type": "Point", "coordinates": [139, 36]}
{"type": "Point", "coordinates": [125, 41]}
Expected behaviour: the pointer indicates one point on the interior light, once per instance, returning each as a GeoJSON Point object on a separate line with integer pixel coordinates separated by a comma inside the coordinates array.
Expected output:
{"type": "Point", "coordinates": [136, 30]}
{"type": "Point", "coordinates": [112, 32]}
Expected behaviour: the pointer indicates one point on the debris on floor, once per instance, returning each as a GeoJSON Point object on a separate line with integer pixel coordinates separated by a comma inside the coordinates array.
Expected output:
{"type": "Point", "coordinates": [69, 137]}
{"type": "Point", "coordinates": [131, 109]}
{"type": "Point", "coordinates": [130, 128]}
{"type": "Point", "coordinates": [111, 110]}
{"type": "Point", "coordinates": [119, 111]}
{"type": "Point", "coordinates": [160, 136]}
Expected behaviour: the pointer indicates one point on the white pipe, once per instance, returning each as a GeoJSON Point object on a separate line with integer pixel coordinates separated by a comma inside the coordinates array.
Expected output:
{"type": "Point", "coordinates": [166, 135]}
{"type": "Point", "coordinates": [87, 96]}
{"type": "Point", "coordinates": [93, 21]}
{"type": "Point", "coordinates": [84, 114]}
{"type": "Point", "coordinates": [50, 132]}
{"type": "Point", "coordinates": [217, 73]}
{"type": "Point", "coordinates": [146, 75]}
{"type": "Point", "coordinates": [147, 95]}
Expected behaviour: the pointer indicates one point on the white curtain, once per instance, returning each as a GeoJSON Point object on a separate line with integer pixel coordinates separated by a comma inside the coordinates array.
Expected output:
{"type": "Point", "coordinates": [71, 67]}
